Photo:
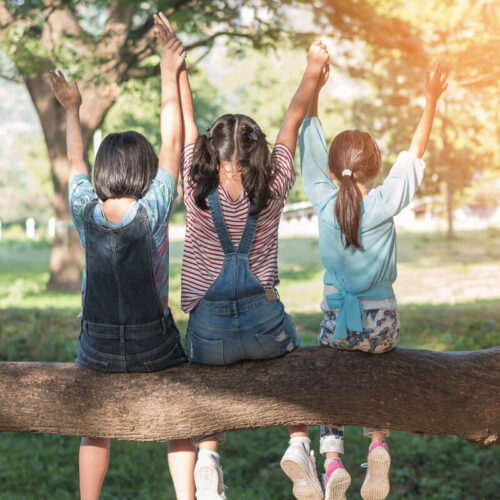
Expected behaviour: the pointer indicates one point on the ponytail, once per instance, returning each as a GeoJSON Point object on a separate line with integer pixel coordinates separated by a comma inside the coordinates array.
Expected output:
{"type": "Point", "coordinates": [358, 153]}
{"type": "Point", "coordinates": [348, 211]}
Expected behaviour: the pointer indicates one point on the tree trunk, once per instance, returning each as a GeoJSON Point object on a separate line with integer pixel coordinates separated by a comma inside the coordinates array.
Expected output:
{"type": "Point", "coordinates": [417, 391]}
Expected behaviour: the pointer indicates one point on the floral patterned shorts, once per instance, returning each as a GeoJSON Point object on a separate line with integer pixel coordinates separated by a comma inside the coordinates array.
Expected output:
{"type": "Point", "coordinates": [380, 332]}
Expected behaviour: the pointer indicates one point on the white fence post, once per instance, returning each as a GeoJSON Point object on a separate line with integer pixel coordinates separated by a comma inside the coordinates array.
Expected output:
{"type": "Point", "coordinates": [30, 228]}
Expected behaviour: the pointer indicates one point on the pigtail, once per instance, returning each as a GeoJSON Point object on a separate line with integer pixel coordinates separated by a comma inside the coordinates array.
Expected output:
{"type": "Point", "coordinates": [348, 211]}
{"type": "Point", "coordinates": [258, 168]}
{"type": "Point", "coordinates": [204, 172]}
{"type": "Point", "coordinates": [238, 139]}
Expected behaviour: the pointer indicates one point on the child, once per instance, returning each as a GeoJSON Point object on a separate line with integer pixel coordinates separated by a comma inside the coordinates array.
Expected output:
{"type": "Point", "coordinates": [122, 222]}
{"type": "Point", "coordinates": [358, 248]}
{"type": "Point", "coordinates": [234, 191]}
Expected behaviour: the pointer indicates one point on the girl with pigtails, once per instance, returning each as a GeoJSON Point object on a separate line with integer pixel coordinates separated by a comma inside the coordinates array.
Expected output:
{"type": "Point", "coordinates": [235, 189]}
{"type": "Point", "coordinates": [357, 242]}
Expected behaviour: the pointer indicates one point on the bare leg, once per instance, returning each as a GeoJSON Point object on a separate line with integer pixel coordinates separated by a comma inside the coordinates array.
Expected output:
{"type": "Point", "coordinates": [208, 444]}
{"type": "Point", "coordinates": [298, 430]}
{"type": "Point", "coordinates": [93, 464]}
{"type": "Point", "coordinates": [181, 459]}
{"type": "Point", "coordinates": [378, 436]}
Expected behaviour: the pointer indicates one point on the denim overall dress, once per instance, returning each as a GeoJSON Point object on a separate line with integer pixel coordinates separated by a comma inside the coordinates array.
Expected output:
{"type": "Point", "coordinates": [124, 326]}
{"type": "Point", "coordinates": [237, 319]}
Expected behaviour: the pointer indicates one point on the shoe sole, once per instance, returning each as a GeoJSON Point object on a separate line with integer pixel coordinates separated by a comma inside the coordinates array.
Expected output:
{"type": "Point", "coordinates": [207, 483]}
{"type": "Point", "coordinates": [337, 485]}
{"type": "Point", "coordinates": [376, 485]}
{"type": "Point", "coordinates": [303, 487]}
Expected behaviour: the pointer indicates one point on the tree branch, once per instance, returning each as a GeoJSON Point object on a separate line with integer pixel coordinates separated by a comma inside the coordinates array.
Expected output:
{"type": "Point", "coordinates": [14, 79]}
{"type": "Point", "coordinates": [418, 391]}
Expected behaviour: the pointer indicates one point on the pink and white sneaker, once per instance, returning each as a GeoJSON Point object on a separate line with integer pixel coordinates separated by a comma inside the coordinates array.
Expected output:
{"type": "Point", "coordinates": [336, 480]}
{"type": "Point", "coordinates": [376, 485]}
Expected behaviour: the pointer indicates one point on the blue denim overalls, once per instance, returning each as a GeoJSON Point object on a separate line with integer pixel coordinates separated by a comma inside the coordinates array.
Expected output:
{"type": "Point", "coordinates": [236, 319]}
{"type": "Point", "coordinates": [124, 326]}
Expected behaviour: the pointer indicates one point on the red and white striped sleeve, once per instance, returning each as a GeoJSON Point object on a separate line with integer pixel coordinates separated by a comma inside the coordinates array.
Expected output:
{"type": "Point", "coordinates": [285, 172]}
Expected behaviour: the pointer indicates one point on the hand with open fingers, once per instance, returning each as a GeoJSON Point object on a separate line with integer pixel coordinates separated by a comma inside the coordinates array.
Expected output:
{"type": "Point", "coordinates": [435, 86]}
{"type": "Point", "coordinates": [317, 56]}
{"type": "Point", "coordinates": [163, 29]}
{"type": "Point", "coordinates": [68, 97]}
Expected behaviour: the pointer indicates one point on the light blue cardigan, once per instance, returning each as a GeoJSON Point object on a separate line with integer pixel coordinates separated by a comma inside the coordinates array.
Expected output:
{"type": "Point", "coordinates": [356, 274]}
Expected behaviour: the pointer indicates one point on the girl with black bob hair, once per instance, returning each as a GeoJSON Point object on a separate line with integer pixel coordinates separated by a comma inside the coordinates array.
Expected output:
{"type": "Point", "coordinates": [125, 166]}
{"type": "Point", "coordinates": [122, 222]}
{"type": "Point", "coordinates": [235, 189]}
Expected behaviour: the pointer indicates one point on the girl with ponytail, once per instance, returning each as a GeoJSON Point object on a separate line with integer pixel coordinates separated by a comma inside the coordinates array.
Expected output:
{"type": "Point", "coordinates": [235, 189]}
{"type": "Point", "coordinates": [357, 242]}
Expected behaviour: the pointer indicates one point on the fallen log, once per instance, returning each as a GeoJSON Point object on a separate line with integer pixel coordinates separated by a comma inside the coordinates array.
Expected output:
{"type": "Point", "coordinates": [417, 391]}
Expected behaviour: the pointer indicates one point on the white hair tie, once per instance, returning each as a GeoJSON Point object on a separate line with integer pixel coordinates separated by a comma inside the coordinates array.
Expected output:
{"type": "Point", "coordinates": [346, 172]}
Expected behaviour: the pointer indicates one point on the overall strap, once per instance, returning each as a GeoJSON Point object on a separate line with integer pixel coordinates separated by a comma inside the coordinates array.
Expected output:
{"type": "Point", "coordinates": [218, 219]}
{"type": "Point", "coordinates": [88, 211]}
{"type": "Point", "coordinates": [248, 233]}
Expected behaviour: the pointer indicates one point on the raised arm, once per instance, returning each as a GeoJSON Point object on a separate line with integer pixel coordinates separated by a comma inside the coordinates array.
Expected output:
{"type": "Point", "coordinates": [433, 89]}
{"type": "Point", "coordinates": [71, 100]}
{"type": "Point", "coordinates": [172, 59]}
{"type": "Point", "coordinates": [314, 153]}
{"type": "Point", "coordinates": [316, 60]}
{"type": "Point", "coordinates": [312, 109]}
{"type": "Point", "coordinates": [189, 128]}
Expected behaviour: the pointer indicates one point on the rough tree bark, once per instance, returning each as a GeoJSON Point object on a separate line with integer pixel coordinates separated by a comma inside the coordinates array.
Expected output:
{"type": "Point", "coordinates": [416, 391]}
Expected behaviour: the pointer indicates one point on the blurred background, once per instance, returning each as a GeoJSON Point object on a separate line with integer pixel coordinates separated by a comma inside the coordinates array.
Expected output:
{"type": "Point", "coordinates": [248, 57]}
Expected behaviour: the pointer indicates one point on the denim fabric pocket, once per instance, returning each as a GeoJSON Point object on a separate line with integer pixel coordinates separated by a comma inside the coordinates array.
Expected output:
{"type": "Point", "coordinates": [277, 341]}
{"type": "Point", "coordinates": [204, 351]}
{"type": "Point", "coordinates": [174, 356]}
{"type": "Point", "coordinates": [94, 364]}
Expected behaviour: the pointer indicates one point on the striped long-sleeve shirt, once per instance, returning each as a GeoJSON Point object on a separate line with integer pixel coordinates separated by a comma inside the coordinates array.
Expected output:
{"type": "Point", "coordinates": [203, 255]}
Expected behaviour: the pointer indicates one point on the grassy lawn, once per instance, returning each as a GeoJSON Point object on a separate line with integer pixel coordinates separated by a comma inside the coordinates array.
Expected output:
{"type": "Point", "coordinates": [448, 294]}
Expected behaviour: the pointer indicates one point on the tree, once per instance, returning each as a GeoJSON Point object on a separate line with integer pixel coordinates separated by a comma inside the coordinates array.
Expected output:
{"type": "Point", "coordinates": [104, 45]}
{"type": "Point", "coordinates": [462, 144]}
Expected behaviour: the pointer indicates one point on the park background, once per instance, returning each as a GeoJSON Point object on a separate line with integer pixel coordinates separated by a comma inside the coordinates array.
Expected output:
{"type": "Point", "coordinates": [248, 57]}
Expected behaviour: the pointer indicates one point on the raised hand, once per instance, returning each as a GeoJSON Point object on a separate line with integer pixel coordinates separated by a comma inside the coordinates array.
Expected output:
{"type": "Point", "coordinates": [163, 29]}
{"type": "Point", "coordinates": [68, 97]}
{"type": "Point", "coordinates": [317, 56]}
{"type": "Point", "coordinates": [173, 54]}
{"type": "Point", "coordinates": [435, 86]}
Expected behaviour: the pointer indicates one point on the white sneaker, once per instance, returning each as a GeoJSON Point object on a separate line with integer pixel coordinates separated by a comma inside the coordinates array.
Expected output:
{"type": "Point", "coordinates": [300, 467]}
{"type": "Point", "coordinates": [376, 485]}
{"type": "Point", "coordinates": [208, 477]}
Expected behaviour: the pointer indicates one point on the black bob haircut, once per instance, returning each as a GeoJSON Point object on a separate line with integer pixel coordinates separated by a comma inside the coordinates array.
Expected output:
{"type": "Point", "coordinates": [125, 165]}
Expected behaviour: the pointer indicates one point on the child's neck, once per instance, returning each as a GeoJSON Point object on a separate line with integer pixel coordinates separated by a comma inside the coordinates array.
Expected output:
{"type": "Point", "coordinates": [362, 189]}
{"type": "Point", "coordinates": [114, 208]}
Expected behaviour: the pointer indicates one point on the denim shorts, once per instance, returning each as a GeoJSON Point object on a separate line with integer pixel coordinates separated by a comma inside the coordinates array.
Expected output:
{"type": "Point", "coordinates": [253, 328]}
{"type": "Point", "coordinates": [142, 348]}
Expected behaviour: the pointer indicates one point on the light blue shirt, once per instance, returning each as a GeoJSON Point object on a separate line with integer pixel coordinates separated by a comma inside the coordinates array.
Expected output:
{"type": "Point", "coordinates": [158, 203]}
{"type": "Point", "coordinates": [356, 274]}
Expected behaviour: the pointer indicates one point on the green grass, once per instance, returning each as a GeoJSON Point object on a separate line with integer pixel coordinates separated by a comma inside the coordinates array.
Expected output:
{"type": "Point", "coordinates": [35, 325]}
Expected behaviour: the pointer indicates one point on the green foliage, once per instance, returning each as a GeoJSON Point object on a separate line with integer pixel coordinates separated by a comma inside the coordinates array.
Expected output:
{"type": "Point", "coordinates": [35, 325]}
